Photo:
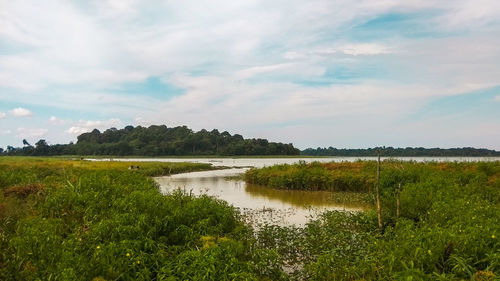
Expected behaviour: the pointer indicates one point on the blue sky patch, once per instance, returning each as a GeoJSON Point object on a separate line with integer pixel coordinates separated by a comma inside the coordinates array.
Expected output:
{"type": "Point", "coordinates": [151, 87]}
{"type": "Point", "coordinates": [476, 104]}
{"type": "Point", "coordinates": [392, 25]}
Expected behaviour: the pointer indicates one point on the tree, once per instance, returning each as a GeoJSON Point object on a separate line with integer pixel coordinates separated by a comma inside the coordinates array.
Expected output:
{"type": "Point", "coordinates": [12, 150]}
{"type": "Point", "coordinates": [158, 140]}
{"type": "Point", "coordinates": [41, 143]}
{"type": "Point", "coordinates": [26, 143]}
{"type": "Point", "coordinates": [41, 148]}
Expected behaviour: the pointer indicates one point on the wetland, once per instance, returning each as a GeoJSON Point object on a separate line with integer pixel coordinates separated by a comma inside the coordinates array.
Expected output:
{"type": "Point", "coordinates": [66, 219]}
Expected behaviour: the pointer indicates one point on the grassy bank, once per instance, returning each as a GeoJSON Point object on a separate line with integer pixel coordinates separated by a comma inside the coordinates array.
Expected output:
{"type": "Point", "coordinates": [59, 165]}
{"type": "Point", "coordinates": [80, 220]}
{"type": "Point", "coordinates": [344, 176]}
{"type": "Point", "coordinates": [447, 229]}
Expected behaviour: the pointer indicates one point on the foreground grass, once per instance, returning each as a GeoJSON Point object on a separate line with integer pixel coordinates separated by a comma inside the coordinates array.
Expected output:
{"type": "Point", "coordinates": [79, 220]}
{"type": "Point", "coordinates": [448, 226]}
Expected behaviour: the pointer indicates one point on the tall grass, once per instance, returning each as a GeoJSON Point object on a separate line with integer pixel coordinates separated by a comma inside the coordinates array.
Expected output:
{"type": "Point", "coordinates": [74, 220]}
{"type": "Point", "coordinates": [448, 228]}
{"type": "Point", "coordinates": [314, 176]}
{"type": "Point", "coordinates": [79, 220]}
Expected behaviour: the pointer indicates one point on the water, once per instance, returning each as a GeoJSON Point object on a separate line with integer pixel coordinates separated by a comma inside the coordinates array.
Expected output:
{"type": "Point", "coordinates": [261, 204]}
{"type": "Point", "coordinates": [262, 162]}
{"type": "Point", "coordinates": [266, 205]}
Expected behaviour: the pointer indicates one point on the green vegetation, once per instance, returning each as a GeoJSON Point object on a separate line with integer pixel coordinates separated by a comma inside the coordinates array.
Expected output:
{"type": "Point", "coordinates": [448, 226]}
{"type": "Point", "coordinates": [79, 220]}
{"type": "Point", "coordinates": [156, 141]}
{"type": "Point", "coordinates": [160, 140]}
{"type": "Point", "coordinates": [399, 152]}
{"type": "Point", "coordinates": [357, 176]}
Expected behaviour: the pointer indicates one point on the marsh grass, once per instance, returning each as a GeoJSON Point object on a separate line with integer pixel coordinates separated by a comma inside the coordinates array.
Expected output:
{"type": "Point", "coordinates": [355, 177]}
{"type": "Point", "coordinates": [79, 220]}
{"type": "Point", "coordinates": [448, 227]}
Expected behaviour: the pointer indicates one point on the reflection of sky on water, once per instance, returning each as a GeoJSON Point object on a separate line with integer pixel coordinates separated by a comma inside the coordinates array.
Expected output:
{"type": "Point", "coordinates": [264, 162]}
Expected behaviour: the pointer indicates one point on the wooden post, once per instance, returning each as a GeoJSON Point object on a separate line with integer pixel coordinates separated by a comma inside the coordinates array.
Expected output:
{"type": "Point", "coordinates": [398, 195]}
{"type": "Point", "coordinates": [379, 211]}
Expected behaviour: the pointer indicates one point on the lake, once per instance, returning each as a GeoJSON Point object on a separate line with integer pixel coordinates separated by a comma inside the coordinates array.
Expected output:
{"type": "Point", "coordinates": [262, 162]}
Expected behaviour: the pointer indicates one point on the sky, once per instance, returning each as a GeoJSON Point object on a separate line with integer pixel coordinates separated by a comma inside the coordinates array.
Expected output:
{"type": "Point", "coordinates": [347, 74]}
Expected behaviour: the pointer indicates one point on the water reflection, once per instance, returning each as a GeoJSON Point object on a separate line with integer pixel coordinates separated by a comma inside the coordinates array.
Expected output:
{"type": "Point", "coordinates": [261, 204]}
{"type": "Point", "coordinates": [306, 199]}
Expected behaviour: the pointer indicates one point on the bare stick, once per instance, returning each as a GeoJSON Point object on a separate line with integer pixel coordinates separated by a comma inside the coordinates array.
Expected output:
{"type": "Point", "coordinates": [379, 211]}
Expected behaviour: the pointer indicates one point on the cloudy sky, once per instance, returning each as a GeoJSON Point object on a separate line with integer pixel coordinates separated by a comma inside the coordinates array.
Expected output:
{"type": "Point", "coordinates": [342, 73]}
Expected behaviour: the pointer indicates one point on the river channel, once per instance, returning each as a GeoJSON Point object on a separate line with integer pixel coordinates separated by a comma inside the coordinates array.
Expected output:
{"type": "Point", "coordinates": [260, 204]}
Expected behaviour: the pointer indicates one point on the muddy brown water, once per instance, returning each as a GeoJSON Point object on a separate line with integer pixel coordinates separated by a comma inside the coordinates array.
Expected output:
{"type": "Point", "coordinates": [260, 204]}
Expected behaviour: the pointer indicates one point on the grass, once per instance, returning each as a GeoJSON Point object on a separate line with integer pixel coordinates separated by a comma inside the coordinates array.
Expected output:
{"type": "Point", "coordinates": [63, 219]}
{"type": "Point", "coordinates": [448, 228]}
{"type": "Point", "coordinates": [62, 164]}
{"type": "Point", "coordinates": [80, 220]}
{"type": "Point", "coordinates": [344, 176]}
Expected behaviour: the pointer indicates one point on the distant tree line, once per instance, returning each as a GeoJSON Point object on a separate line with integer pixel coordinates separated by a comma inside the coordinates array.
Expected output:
{"type": "Point", "coordinates": [156, 141]}
{"type": "Point", "coordinates": [408, 151]}
{"type": "Point", "coordinates": [160, 140]}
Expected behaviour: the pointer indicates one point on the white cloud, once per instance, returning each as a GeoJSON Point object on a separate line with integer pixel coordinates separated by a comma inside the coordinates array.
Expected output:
{"type": "Point", "coordinates": [141, 121]}
{"type": "Point", "coordinates": [279, 71]}
{"type": "Point", "coordinates": [21, 112]}
{"type": "Point", "coordinates": [56, 121]}
{"type": "Point", "coordinates": [30, 132]}
{"type": "Point", "coordinates": [497, 98]}
{"type": "Point", "coordinates": [365, 49]}
{"type": "Point", "coordinates": [471, 14]}
{"type": "Point", "coordinates": [249, 60]}
{"type": "Point", "coordinates": [252, 71]}
{"type": "Point", "coordinates": [77, 130]}
{"type": "Point", "coordinates": [109, 42]}
{"type": "Point", "coordinates": [6, 132]}
{"type": "Point", "coordinates": [291, 55]}
{"type": "Point", "coordinates": [2, 115]}
{"type": "Point", "coordinates": [83, 126]}
{"type": "Point", "coordinates": [210, 100]}
{"type": "Point", "coordinates": [110, 45]}
{"type": "Point", "coordinates": [325, 52]}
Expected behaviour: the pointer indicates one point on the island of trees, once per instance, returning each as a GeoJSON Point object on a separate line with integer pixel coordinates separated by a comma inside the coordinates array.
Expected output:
{"type": "Point", "coordinates": [160, 140]}
{"type": "Point", "coordinates": [156, 141]}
